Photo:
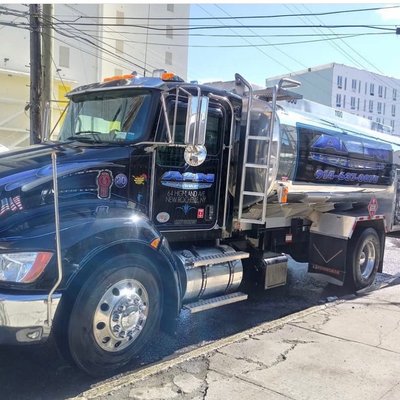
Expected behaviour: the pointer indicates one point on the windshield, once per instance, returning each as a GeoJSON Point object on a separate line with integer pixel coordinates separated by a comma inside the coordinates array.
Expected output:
{"type": "Point", "coordinates": [114, 116]}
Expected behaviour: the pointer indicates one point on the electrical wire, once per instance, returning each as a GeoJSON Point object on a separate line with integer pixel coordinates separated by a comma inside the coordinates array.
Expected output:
{"type": "Point", "coordinates": [199, 27]}
{"type": "Point", "coordinates": [124, 53]}
{"type": "Point", "coordinates": [276, 47]}
{"type": "Point", "coordinates": [243, 17]}
{"type": "Point", "coordinates": [336, 37]}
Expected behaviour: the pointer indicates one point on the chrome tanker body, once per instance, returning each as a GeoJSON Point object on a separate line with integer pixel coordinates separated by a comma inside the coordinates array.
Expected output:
{"type": "Point", "coordinates": [320, 159]}
{"type": "Point", "coordinates": [158, 195]}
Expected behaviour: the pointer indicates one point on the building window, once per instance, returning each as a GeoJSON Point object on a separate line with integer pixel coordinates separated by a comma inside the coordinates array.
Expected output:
{"type": "Point", "coordinates": [354, 85]}
{"type": "Point", "coordinates": [384, 108]}
{"type": "Point", "coordinates": [369, 117]}
{"type": "Point", "coordinates": [371, 106]}
{"type": "Point", "coordinates": [63, 56]}
{"type": "Point", "coordinates": [394, 94]}
{"type": "Point", "coordinates": [378, 120]}
{"type": "Point", "coordinates": [380, 91]}
{"type": "Point", "coordinates": [345, 85]}
{"type": "Point", "coordinates": [353, 103]}
{"type": "Point", "coordinates": [358, 104]}
{"type": "Point", "coordinates": [371, 89]}
{"type": "Point", "coordinates": [379, 107]}
{"type": "Point", "coordinates": [169, 32]}
{"type": "Point", "coordinates": [385, 93]}
{"type": "Point", "coordinates": [338, 100]}
{"type": "Point", "coordinates": [168, 58]}
{"type": "Point", "coordinates": [359, 86]}
{"type": "Point", "coordinates": [344, 101]}
{"type": "Point", "coordinates": [339, 81]}
{"type": "Point", "coordinates": [392, 123]}
{"type": "Point", "coordinates": [393, 110]}
{"type": "Point", "coordinates": [365, 106]}
{"type": "Point", "coordinates": [120, 17]}
{"type": "Point", "coordinates": [170, 7]}
{"type": "Point", "coordinates": [119, 46]}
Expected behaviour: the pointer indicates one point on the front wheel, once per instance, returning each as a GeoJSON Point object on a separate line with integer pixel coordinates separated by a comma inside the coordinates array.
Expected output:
{"type": "Point", "coordinates": [116, 313]}
{"type": "Point", "coordinates": [363, 260]}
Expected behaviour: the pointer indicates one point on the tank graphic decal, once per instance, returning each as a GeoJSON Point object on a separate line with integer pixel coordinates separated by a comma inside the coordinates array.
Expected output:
{"type": "Point", "coordinates": [341, 158]}
{"type": "Point", "coordinates": [104, 182]}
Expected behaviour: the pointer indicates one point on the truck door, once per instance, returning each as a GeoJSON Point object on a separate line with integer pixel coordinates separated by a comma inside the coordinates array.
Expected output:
{"type": "Point", "coordinates": [185, 197]}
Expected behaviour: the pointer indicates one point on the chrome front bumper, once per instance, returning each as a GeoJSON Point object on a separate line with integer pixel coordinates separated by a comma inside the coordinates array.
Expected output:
{"type": "Point", "coordinates": [23, 318]}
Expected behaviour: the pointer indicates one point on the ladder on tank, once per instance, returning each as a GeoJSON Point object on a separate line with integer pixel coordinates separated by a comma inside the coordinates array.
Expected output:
{"type": "Point", "coordinates": [277, 93]}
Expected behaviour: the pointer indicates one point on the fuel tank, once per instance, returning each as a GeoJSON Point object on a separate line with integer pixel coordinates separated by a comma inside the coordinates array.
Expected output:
{"type": "Point", "coordinates": [318, 157]}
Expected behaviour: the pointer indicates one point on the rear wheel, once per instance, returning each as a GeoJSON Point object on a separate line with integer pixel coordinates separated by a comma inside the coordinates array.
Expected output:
{"type": "Point", "coordinates": [364, 258]}
{"type": "Point", "coordinates": [115, 314]}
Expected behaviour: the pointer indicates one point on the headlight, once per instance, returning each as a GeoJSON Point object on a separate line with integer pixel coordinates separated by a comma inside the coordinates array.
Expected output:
{"type": "Point", "coordinates": [23, 267]}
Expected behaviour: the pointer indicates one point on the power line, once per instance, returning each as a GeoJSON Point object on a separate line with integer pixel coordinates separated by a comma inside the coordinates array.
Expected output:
{"type": "Point", "coordinates": [242, 17]}
{"type": "Point", "coordinates": [336, 37]}
{"type": "Point", "coordinates": [346, 53]}
{"type": "Point", "coordinates": [200, 27]}
{"type": "Point", "coordinates": [275, 46]}
{"type": "Point", "coordinates": [107, 44]}
{"type": "Point", "coordinates": [226, 35]}
{"type": "Point", "coordinates": [97, 46]}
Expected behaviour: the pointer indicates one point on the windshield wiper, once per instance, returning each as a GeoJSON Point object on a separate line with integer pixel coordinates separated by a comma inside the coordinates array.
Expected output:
{"type": "Point", "coordinates": [94, 136]}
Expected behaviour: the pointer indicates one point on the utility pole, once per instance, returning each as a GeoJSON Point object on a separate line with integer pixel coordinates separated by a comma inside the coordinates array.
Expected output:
{"type": "Point", "coordinates": [47, 51]}
{"type": "Point", "coordinates": [35, 74]}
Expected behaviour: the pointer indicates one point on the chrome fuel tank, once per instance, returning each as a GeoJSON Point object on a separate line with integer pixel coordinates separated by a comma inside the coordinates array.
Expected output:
{"type": "Point", "coordinates": [213, 279]}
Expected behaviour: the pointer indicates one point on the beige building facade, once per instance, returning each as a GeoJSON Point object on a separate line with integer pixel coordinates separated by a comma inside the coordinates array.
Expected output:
{"type": "Point", "coordinates": [90, 42]}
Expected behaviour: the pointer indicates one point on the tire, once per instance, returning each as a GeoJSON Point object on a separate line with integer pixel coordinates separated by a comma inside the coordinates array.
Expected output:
{"type": "Point", "coordinates": [363, 259]}
{"type": "Point", "coordinates": [116, 312]}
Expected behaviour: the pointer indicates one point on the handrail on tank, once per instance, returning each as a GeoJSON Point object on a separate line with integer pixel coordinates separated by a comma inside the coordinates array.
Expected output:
{"type": "Point", "coordinates": [240, 79]}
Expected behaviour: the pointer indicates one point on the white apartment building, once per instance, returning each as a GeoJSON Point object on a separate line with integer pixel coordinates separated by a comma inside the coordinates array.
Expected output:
{"type": "Point", "coordinates": [364, 93]}
{"type": "Point", "coordinates": [91, 42]}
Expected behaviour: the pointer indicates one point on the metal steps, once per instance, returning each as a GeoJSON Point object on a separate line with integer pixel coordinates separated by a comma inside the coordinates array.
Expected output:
{"type": "Point", "coordinates": [214, 302]}
{"type": "Point", "coordinates": [220, 258]}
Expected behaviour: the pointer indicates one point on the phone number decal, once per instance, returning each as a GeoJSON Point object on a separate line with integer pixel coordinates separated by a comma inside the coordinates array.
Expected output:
{"type": "Point", "coordinates": [345, 176]}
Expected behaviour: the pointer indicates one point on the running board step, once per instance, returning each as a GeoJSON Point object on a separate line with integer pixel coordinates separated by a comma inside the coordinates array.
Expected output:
{"type": "Point", "coordinates": [215, 259]}
{"type": "Point", "coordinates": [219, 301]}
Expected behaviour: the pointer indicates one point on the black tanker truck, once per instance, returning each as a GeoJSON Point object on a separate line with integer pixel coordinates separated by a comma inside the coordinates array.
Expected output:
{"type": "Point", "coordinates": [158, 194]}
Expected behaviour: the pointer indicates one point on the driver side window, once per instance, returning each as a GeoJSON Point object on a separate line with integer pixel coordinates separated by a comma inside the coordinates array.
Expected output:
{"type": "Point", "coordinates": [173, 156]}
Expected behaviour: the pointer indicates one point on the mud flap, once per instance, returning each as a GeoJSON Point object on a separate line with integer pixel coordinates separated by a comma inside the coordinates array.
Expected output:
{"type": "Point", "coordinates": [328, 258]}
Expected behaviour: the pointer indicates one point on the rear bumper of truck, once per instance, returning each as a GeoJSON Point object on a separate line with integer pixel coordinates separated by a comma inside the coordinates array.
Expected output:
{"type": "Point", "coordinates": [23, 318]}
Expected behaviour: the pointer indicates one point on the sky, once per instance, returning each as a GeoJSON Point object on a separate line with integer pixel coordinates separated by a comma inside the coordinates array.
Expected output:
{"type": "Point", "coordinates": [256, 56]}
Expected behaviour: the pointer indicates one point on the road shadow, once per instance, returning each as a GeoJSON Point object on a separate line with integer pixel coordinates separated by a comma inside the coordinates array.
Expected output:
{"type": "Point", "coordinates": [39, 372]}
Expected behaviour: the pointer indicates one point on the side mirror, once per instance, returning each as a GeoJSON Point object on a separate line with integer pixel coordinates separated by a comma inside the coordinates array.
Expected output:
{"type": "Point", "coordinates": [196, 120]}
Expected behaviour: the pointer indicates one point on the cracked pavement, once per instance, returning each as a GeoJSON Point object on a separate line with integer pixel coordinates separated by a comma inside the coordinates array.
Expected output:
{"type": "Point", "coordinates": [347, 349]}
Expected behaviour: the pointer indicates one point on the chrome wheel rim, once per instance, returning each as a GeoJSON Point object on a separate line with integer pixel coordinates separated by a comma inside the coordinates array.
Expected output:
{"type": "Point", "coordinates": [367, 259]}
{"type": "Point", "coordinates": [120, 315]}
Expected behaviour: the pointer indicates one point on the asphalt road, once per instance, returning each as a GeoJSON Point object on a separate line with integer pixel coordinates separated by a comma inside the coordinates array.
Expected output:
{"type": "Point", "coordinates": [38, 372]}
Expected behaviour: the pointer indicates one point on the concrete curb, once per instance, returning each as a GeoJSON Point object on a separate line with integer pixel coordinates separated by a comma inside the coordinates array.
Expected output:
{"type": "Point", "coordinates": [107, 387]}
